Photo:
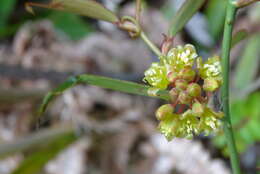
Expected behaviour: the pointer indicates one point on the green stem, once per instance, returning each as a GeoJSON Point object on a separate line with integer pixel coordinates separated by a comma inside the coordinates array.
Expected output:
{"type": "Point", "coordinates": [150, 44]}
{"type": "Point", "coordinates": [226, 46]}
{"type": "Point", "coordinates": [137, 10]}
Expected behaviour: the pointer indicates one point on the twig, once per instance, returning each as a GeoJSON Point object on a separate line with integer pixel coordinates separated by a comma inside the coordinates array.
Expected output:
{"type": "Point", "coordinates": [138, 10]}
{"type": "Point", "coordinates": [243, 3]}
{"type": "Point", "coordinates": [226, 47]}
{"type": "Point", "coordinates": [154, 48]}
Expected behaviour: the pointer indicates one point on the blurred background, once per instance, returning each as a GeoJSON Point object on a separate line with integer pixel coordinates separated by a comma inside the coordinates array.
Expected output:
{"type": "Point", "coordinates": [89, 130]}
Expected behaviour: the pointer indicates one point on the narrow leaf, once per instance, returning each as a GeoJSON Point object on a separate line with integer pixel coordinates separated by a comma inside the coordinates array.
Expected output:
{"type": "Point", "coordinates": [183, 15]}
{"type": "Point", "coordinates": [74, 26]}
{"type": "Point", "coordinates": [215, 13]}
{"type": "Point", "coordinates": [248, 65]}
{"type": "Point", "coordinates": [104, 82]}
{"type": "Point", "coordinates": [35, 162]}
{"type": "Point", "coordinates": [238, 36]}
{"type": "Point", "coordinates": [6, 8]}
{"type": "Point", "coordinates": [87, 8]}
{"type": "Point", "coordinates": [37, 139]}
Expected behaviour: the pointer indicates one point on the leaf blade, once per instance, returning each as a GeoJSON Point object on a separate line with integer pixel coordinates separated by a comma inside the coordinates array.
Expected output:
{"type": "Point", "coordinates": [248, 65]}
{"type": "Point", "coordinates": [35, 162]}
{"type": "Point", "coordinates": [215, 13]}
{"type": "Point", "coordinates": [87, 8]}
{"type": "Point", "coordinates": [239, 36]}
{"type": "Point", "coordinates": [104, 82]}
{"type": "Point", "coordinates": [187, 10]}
{"type": "Point", "coordinates": [42, 137]}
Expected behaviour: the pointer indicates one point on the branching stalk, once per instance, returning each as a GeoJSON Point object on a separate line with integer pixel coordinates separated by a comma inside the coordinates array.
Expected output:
{"type": "Point", "coordinates": [226, 47]}
{"type": "Point", "coordinates": [150, 44]}
{"type": "Point", "coordinates": [243, 3]}
{"type": "Point", "coordinates": [138, 10]}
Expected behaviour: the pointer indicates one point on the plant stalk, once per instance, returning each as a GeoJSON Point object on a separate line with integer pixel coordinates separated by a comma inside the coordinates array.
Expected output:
{"type": "Point", "coordinates": [226, 47]}
{"type": "Point", "coordinates": [150, 44]}
{"type": "Point", "coordinates": [138, 10]}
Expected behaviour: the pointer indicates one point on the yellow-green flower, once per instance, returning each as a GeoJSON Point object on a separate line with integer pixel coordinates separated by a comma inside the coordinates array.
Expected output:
{"type": "Point", "coordinates": [156, 76]}
{"type": "Point", "coordinates": [181, 57]}
{"type": "Point", "coordinates": [170, 126]}
{"type": "Point", "coordinates": [210, 121]}
{"type": "Point", "coordinates": [176, 71]}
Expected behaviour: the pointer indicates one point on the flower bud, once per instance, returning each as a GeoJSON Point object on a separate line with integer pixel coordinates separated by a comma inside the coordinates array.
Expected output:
{"type": "Point", "coordinates": [174, 93]}
{"type": "Point", "coordinates": [187, 74]}
{"type": "Point", "coordinates": [163, 111]}
{"type": "Point", "coordinates": [172, 76]}
{"type": "Point", "coordinates": [184, 97]}
{"type": "Point", "coordinates": [194, 90]}
{"type": "Point", "coordinates": [197, 109]}
{"type": "Point", "coordinates": [210, 84]}
{"type": "Point", "coordinates": [181, 84]}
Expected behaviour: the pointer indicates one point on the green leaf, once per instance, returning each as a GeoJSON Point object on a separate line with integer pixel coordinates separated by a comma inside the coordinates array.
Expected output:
{"type": "Point", "coordinates": [239, 36]}
{"type": "Point", "coordinates": [44, 137]}
{"type": "Point", "coordinates": [248, 64]}
{"type": "Point", "coordinates": [215, 13]}
{"type": "Point", "coordinates": [87, 8]}
{"type": "Point", "coordinates": [183, 15]}
{"type": "Point", "coordinates": [35, 162]}
{"type": "Point", "coordinates": [6, 8]}
{"type": "Point", "coordinates": [104, 82]}
{"type": "Point", "coordinates": [71, 24]}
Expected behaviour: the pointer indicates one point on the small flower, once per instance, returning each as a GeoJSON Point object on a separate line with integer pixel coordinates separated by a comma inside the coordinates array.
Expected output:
{"type": "Point", "coordinates": [172, 76]}
{"type": "Point", "coordinates": [181, 57]}
{"type": "Point", "coordinates": [156, 76]}
{"type": "Point", "coordinates": [169, 126]}
{"type": "Point", "coordinates": [194, 90]}
{"type": "Point", "coordinates": [184, 98]}
{"type": "Point", "coordinates": [189, 124]}
{"type": "Point", "coordinates": [164, 112]}
{"type": "Point", "coordinates": [211, 69]}
{"type": "Point", "coordinates": [187, 74]}
{"type": "Point", "coordinates": [210, 84]}
{"type": "Point", "coordinates": [174, 93]}
{"type": "Point", "coordinates": [181, 84]}
{"type": "Point", "coordinates": [209, 121]}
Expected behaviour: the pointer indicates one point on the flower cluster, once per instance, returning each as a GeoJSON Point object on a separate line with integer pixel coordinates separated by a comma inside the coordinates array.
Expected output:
{"type": "Point", "coordinates": [190, 82]}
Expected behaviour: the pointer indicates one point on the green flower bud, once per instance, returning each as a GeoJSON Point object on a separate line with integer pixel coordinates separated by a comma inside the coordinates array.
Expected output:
{"type": "Point", "coordinates": [210, 84]}
{"type": "Point", "coordinates": [174, 93]}
{"type": "Point", "coordinates": [172, 76]}
{"type": "Point", "coordinates": [194, 90]}
{"type": "Point", "coordinates": [184, 97]}
{"type": "Point", "coordinates": [181, 84]}
{"type": "Point", "coordinates": [187, 74]}
{"type": "Point", "coordinates": [164, 111]}
{"type": "Point", "coordinates": [197, 109]}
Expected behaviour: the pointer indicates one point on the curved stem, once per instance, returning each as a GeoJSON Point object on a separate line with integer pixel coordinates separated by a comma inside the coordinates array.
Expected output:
{"type": "Point", "coordinates": [151, 45]}
{"type": "Point", "coordinates": [226, 47]}
{"type": "Point", "coordinates": [244, 3]}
